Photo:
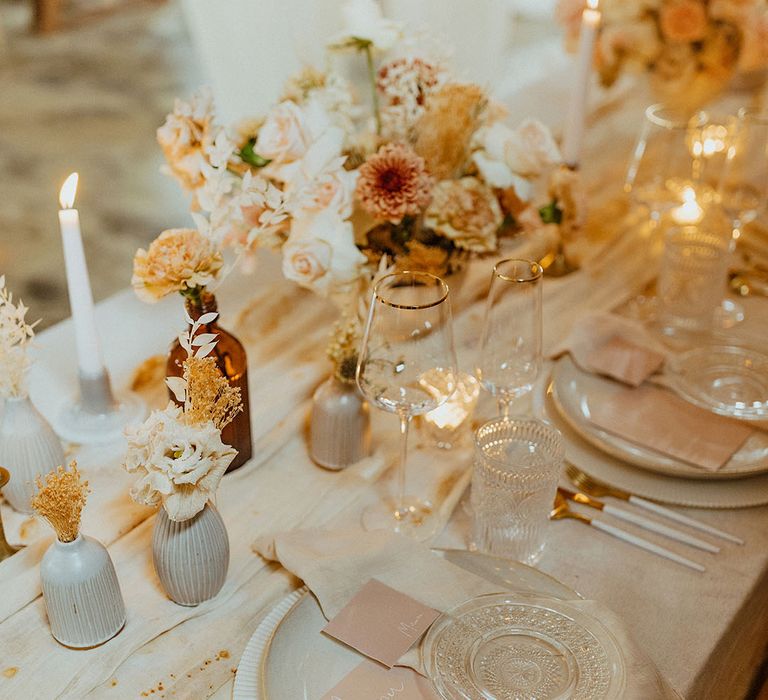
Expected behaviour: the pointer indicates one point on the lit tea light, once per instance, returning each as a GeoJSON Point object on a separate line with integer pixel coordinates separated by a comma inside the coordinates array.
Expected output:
{"type": "Point", "coordinates": [713, 140]}
{"type": "Point", "coordinates": [689, 212]}
{"type": "Point", "coordinates": [444, 422]}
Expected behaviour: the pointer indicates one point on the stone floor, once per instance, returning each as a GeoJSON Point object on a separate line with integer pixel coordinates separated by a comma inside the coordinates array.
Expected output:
{"type": "Point", "coordinates": [87, 99]}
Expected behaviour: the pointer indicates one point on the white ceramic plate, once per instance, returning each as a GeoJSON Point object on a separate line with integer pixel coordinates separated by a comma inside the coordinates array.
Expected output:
{"type": "Point", "coordinates": [575, 392]}
{"type": "Point", "coordinates": [694, 493]}
{"type": "Point", "coordinates": [289, 659]}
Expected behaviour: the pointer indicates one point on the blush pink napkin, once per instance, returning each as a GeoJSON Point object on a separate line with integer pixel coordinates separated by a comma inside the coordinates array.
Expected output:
{"type": "Point", "coordinates": [664, 422]}
{"type": "Point", "coordinates": [624, 361]}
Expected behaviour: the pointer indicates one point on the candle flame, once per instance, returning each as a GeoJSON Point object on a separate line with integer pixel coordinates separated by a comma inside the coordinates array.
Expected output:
{"type": "Point", "coordinates": [689, 194]}
{"type": "Point", "coordinates": [592, 4]}
{"type": "Point", "coordinates": [68, 191]}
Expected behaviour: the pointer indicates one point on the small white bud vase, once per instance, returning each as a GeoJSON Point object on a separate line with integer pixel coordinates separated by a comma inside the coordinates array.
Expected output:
{"type": "Point", "coordinates": [340, 425]}
{"type": "Point", "coordinates": [191, 557]}
{"type": "Point", "coordinates": [81, 593]}
{"type": "Point", "coordinates": [28, 448]}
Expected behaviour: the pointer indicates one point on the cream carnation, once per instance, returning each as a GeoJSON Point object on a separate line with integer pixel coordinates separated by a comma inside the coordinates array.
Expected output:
{"type": "Point", "coordinates": [186, 137]}
{"type": "Point", "coordinates": [177, 260]}
{"type": "Point", "coordinates": [465, 211]}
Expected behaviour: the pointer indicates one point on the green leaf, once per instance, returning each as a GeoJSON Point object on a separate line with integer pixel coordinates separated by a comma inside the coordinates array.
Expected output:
{"type": "Point", "coordinates": [551, 213]}
{"type": "Point", "coordinates": [248, 155]}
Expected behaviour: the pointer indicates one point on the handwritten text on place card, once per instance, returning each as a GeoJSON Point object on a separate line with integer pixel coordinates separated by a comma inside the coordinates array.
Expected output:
{"type": "Point", "coordinates": [381, 623]}
{"type": "Point", "coordinates": [370, 681]}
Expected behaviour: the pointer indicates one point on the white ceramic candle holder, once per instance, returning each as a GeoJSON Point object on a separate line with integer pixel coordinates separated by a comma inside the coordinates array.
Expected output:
{"type": "Point", "coordinates": [97, 415]}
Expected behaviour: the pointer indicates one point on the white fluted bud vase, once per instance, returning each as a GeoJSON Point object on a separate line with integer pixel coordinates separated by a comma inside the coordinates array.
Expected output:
{"type": "Point", "coordinates": [28, 448]}
{"type": "Point", "coordinates": [81, 593]}
{"type": "Point", "coordinates": [191, 557]}
{"type": "Point", "coordinates": [340, 425]}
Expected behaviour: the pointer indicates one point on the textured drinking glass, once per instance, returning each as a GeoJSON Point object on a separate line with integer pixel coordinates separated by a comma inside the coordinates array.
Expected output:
{"type": "Point", "coordinates": [510, 346]}
{"type": "Point", "coordinates": [668, 157]}
{"type": "Point", "coordinates": [692, 278]}
{"type": "Point", "coordinates": [744, 183]}
{"type": "Point", "coordinates": [408, 341]}
{"type": "Point", "coordinates": [514, 480]}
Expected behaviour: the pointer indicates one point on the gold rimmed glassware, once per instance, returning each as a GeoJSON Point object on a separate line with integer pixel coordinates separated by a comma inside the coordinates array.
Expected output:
{"type": "Point", "coordinates": [668, 161]}
{"type": "Point", "coordinates": [510, 347]}
{"type": "Point", "coordinates": [408, 340]}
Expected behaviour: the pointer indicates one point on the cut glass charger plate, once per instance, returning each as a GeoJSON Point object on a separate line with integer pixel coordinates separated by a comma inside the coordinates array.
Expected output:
{"type": "Point", "coordinates": [289, 659]}
{"type": "Point", "coordinates": [727, 379]}
{"type": "Point", "coordinates": [694, 493]}
{"type": "Point", "coordinates": [499, 647]}
{"type": "Point", "coordinates": [575, 392]}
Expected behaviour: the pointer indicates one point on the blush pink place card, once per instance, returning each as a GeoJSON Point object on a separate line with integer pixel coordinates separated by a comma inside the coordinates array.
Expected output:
{"type": "Point", "coordinates": [381, 623]}
{"type": "Point", "coordinates": [371, 681]}
{"type": "Point", "coordinates": [666, 423]}
{"type": "Point", "coordinates": [622, 360]}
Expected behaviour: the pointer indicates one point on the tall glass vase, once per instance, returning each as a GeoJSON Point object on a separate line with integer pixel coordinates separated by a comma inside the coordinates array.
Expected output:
{"type": "Point", "coordinates": [232, 362]}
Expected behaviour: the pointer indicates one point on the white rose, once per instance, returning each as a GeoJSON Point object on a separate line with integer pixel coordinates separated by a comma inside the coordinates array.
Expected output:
{"type": "Point", "coordinates": [531, 149]}
{"type": "Point", "coordinates": [320, 253]}
{"type": "Point", "coordinates": [284, 136]}
{"type": "Point", "coordinates": [490, 158]}
{"type": "Point", "coordinates": [363, 20]}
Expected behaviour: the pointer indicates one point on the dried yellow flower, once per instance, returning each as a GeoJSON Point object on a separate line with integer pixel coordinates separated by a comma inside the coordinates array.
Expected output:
{"type": "Point", "coordinates": [61, 501]}
{"type": "Point", "coordinates": [444, 132]}
{"type": "Point", "coordinates": [210, 396]}
{"type": "Point", "coordinates": [343, 348]}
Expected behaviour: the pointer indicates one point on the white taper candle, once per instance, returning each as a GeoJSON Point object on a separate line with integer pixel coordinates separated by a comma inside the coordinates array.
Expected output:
{"type": "Point", "coordinates": [80, 296]}
{"type": "Point", "coordinates": [577, 108]}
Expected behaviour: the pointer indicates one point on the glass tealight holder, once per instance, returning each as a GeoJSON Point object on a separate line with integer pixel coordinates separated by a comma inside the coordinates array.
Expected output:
{"type": "Point", "coordinates": [447, 425]}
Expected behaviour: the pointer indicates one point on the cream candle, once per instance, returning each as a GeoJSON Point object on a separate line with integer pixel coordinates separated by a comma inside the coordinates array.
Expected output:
{"type": "Point", "coordinates": [89, 356]}
{"type": "Point", "coordinates": [577, 108]}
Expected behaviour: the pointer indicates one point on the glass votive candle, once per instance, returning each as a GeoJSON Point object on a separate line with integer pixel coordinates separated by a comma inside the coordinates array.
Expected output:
{"type": "Point", "coordinates": [449, 423]}
{"type": "Point", "coordinates": [514, 480]}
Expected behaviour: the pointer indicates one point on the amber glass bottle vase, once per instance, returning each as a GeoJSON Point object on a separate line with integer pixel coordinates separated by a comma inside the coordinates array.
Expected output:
{"type": "Point", "coordinates": [231, 360]}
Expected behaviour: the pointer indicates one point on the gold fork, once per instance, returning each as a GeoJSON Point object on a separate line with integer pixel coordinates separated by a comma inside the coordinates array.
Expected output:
{"type": "Point", "coordinates": [561, 511]}
{"type": "Point", "coordinates": [5, 549]}
{"type": "Point", "coordinates": [599, 489]}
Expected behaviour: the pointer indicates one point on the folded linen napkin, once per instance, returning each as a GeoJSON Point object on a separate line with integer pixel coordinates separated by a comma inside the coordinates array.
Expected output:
{"type": "Point", "coordinates": [618, 347]}
{"type": "Point", "coordinates": [334, 564]}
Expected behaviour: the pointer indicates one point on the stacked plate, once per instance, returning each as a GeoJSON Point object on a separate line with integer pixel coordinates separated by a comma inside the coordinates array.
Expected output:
{"type": "Point", "coordinates": [570, 400]}
{"type": "Point", "coordinates": [532, 638]}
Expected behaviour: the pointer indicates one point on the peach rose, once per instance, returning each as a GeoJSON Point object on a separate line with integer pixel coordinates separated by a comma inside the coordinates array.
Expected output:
{"type": "Point", "coordinates": [684, 21]}
{"type": "Point", "coordinates": [284, 136]}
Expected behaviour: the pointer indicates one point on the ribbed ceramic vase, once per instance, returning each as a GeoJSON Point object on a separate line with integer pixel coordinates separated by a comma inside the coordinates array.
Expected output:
{"type": "Point", "coordinates": [81, 593]}
{"type": "Point", "coordinates": [28, 448]}
{"type": "Point", "coordinates": [192, 556]}
{"type": "Point", "coordinates": [340, 425]}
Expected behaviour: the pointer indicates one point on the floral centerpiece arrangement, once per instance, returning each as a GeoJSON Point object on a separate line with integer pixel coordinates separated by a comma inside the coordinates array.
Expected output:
{"type": "Point", "coordinates": [690, 48]}
{"type": "Point", "coordinates": [419, 169]}
{"type": "Point", "coordinates": [178, 452]}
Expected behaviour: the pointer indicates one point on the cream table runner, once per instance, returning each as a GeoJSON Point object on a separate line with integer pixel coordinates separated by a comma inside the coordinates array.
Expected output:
{"type": "Point", "coordinates": [687, 623]}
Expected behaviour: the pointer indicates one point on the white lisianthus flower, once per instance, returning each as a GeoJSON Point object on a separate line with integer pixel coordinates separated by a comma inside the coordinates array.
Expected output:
{"type": "Point", "coordinates": [179, 465]}
{"type": "Point", "coordinates": [320, 253]}
{"type": "Point", "coordinates": [364, 21]}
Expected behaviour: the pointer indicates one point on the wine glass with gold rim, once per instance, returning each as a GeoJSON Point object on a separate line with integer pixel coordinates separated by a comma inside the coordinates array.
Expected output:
{"type": "Point", "coordinates": [408, 341]}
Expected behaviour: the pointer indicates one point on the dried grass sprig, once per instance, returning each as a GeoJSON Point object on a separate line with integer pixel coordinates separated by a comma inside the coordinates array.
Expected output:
{"type": "Point", "coordinates": [209, 395]}
{"type": "Point", "coordinates": [444, 132]}
{"type": "Point", "coordinates": [61, 501]}
{"type": "Point", "coordinates": [343, 348]}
